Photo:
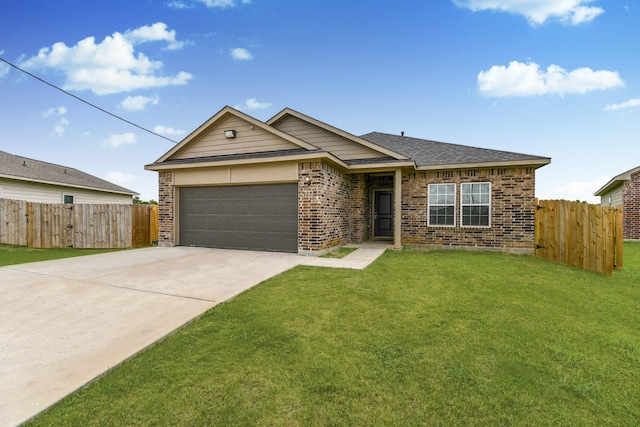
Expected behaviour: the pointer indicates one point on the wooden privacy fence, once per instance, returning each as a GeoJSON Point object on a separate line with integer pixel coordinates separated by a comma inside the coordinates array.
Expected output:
{"type": "Point", "coordinates": [53, 225]}
{"type": "Point", "coordinates": [579, 234]}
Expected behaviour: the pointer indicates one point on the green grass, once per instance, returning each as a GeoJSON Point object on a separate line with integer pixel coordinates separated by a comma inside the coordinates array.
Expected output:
{"type": "Point", "coordinates": [10, 255]}
{"type": "Point", "coordinates": [418, 338]}
{"type": "Point", "coordinates": [339, 253]}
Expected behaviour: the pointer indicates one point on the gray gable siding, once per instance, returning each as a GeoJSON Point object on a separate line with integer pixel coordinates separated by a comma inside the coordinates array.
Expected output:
{"type": "Point", "coordinates": [340, 147]}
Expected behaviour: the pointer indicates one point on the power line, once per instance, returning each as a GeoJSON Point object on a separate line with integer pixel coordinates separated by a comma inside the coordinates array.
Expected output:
{"type": "Point", "coordinates": [86, 102]}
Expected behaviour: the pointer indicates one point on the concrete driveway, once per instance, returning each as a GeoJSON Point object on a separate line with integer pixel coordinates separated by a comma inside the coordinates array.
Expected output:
{"type": "Point", "coordinates": [64, 322]}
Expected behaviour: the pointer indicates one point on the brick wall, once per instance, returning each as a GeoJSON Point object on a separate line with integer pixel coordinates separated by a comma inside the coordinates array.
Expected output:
{"type": "Point", "coordinates": [324, 207]}
{"type": "Point", "coordinates": [165, 209]}
{"type": "Point", "coordinates": [359, 215]}
{"type": "Point", "coordinates": [512, 210]}
{"type": "Point", "coordinates": [631, 207]}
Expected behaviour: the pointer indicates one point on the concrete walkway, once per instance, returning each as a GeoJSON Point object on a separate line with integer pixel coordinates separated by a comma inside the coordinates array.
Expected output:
{"type": "Point", "coordinates": [65, 322]}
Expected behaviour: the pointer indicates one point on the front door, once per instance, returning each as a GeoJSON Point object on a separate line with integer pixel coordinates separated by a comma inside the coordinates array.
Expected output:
{"type": "Point", "coordinates": [383, 214]}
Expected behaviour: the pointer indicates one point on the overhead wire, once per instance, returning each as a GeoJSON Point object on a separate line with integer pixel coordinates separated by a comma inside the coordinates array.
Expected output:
{"type": "Point", "coordinates": [86, 102]}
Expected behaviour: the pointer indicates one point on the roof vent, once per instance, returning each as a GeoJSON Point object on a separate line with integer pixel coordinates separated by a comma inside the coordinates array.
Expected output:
{"type": "Point", "coordinates": [402, 133]}
{"type": "Point", "coordinates": [24, 163]}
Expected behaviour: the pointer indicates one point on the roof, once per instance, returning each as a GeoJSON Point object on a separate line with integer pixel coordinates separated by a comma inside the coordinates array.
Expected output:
{"type": "Point", "coordinates": [396, 151]}
{"type": "Point", "coordinates": [427, 153]}
{"type": "Point", "coordinates": [25, 169]}
{"type": "Point", "coordinates": [617, 180]}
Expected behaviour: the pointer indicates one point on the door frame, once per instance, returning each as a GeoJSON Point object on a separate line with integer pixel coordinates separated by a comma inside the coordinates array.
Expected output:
{"type": "Point", "coordinates": [373, 213]}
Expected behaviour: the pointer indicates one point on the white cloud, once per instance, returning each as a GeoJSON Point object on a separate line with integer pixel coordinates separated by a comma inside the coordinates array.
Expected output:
{"type": "Point", "coordinates": [241, 54]}
{"type": "Point", "coordinates": [60, 127]}
{"type": "Point", "coordinates": [120, 177]}
{"type": "Point", "coordinates": [164, 130]}
{"type": "Point", "coordinates": [538, 12]}
{"type": "Point", "coordinates": [520, 79]}
{"type": "Point", "coordinates": [111, 66]}
{"type": "Point", "coordinates": [627, 104]}
{"type": "Point", "coordinates": [119, 140]}
{"type": "Point", "coordinates": [179, 5]}
{"type": "Point", "coordinates": [222, 4]}
{"type": "Point", "coordinates": [4, 68]}
{"type": "Point", "coordinates": [155, 32]}
{"type": "Point", "coordinates": [576, 190]}
{"type": "Point", "coordinates": [138, 103]}
{"type": "Point", "coordinates": [57, 111]}
{"type": "Point", "coordinates": [252, 104]}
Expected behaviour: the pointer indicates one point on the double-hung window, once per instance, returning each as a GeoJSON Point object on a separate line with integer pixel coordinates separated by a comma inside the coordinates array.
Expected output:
{"type": "Point", "coordinates": [442, 205]}
{"type": "Point", "coordinates": [475, 204]}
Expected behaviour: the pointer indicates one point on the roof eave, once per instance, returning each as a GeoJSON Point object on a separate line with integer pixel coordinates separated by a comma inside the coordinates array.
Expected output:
{"type": "Point", "coordinates": [536, 163]}
{"type": "Point", "coordinates": [616, 180]}
{"type": "Point", "coordinates": [312, 155]}
{"type": "Point", "coordinates": [608, 187]}
{"type": "Point", "coordinates": [62, 184]}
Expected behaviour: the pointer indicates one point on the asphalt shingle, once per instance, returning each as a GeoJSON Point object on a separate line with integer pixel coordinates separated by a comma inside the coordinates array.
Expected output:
{"type": "Point", "coordinates": [23, 168]}
{"type": "Point", "coordinates": [432, 153]}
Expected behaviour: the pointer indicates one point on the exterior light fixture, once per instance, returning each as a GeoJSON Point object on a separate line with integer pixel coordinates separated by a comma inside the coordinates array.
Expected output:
{"type": "Point", "coordinates": [307, 180]}
{"type": "Point", "coordinates": [231, 133]}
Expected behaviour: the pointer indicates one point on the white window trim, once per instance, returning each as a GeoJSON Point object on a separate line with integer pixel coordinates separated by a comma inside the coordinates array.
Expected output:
{"type": "Point", "coordinates": [429, 204]}
{"type": "Point", "coordinates": [462, 204]}
{"type": "Point", "coordinates": [68, 195]}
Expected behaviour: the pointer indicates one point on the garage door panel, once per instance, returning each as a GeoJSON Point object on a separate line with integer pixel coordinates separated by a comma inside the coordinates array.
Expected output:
{"type": "Point", "coordinates": [259, 217]}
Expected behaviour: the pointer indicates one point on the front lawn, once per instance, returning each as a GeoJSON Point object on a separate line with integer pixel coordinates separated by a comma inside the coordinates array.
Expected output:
{"type": "Point", "coordinates": [437, 338]}
{"type": "Point", "coordinates": [10, 255]}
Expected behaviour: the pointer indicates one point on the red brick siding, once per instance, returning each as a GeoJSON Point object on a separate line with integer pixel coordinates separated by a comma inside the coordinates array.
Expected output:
{"type": "Point", "coordinates": [166, 209]}
{"type": "Point", "coordinates": [324, 207]}
{"type": "Point", "coordinates": [631, 207]}
{"type": "Point", "coordinates": [512, 209]}
{"type": "Point", "coordinates": [359, 216]}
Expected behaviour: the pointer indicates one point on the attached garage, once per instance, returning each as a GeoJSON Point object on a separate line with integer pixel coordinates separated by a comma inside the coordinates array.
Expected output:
{"type": "Point", "coordinates": [253, 217]}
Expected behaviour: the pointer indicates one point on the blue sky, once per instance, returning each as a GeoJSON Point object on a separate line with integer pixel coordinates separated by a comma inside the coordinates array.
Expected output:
{"type": "Point", "coordinates": [556, 78]}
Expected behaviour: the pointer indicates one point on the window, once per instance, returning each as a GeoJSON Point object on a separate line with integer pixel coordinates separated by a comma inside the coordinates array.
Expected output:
{"type": "Point", "coordinates": [442, 205]}
{"type": "Point", "coordinates": [475, 204]}
{"type": "Point", "coordinates": [68, 199]}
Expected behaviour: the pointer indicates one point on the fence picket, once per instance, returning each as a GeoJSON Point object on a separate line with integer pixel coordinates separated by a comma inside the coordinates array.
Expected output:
{"type": "Point", "coordinates": [579, 234]}
{"type": "Point", "coordinates": [41, 225]}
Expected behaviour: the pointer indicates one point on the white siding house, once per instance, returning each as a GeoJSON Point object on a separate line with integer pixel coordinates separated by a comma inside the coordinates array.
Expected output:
{"type": "Point", "coordinates": [22, 178]}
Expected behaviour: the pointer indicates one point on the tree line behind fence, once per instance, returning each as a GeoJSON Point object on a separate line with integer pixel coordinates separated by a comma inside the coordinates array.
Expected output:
{"type": "Point", "coordinates": [93, 226]}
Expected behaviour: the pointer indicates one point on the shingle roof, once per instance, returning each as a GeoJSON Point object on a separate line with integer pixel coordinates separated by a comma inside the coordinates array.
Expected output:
{"type": "Point", "coordinates": [432, 153]}
{"type": "Point", "coordinates": [25, 169]}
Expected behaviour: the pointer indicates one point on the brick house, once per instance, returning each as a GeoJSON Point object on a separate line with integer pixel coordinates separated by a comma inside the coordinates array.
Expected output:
{"type": "Point", "coordinates": [295, 184]}
{"type": "Point", "coordinates": [624, 191]}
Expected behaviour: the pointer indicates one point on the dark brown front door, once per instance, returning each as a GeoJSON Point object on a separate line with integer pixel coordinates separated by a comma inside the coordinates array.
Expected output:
{"type": "Point", "coordinates": [383, 214]}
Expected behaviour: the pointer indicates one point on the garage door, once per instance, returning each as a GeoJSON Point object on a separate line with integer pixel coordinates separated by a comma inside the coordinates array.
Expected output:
{"type": "Point", "coordinates": [255, 217]}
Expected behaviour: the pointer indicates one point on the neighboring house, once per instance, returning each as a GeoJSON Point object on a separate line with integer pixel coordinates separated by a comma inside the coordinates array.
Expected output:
{"type": "Point", "coordinates": [624, 191]}
{"type": "Point", "coordinates": [295, 184]}
{"type": "Point", "coordinates": [36, 181]}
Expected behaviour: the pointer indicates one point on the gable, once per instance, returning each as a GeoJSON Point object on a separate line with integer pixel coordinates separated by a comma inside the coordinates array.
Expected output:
{"type": "Point", "coordinates": [339, 143]}
{"type": "Point", "coordinates": [249, 139]}
{"type": "Point", "coordinates": [341, 147]}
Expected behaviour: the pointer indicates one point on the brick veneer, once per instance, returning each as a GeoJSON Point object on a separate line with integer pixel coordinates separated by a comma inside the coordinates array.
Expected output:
{"type": "Point", "coordinates": [334, 208]}
{"type": "Point", "coordinates": [331, 207]}
{"type": "Point", "coordinates": [631, 207]}
{"type": "Point", "coordinates": [512, 210]}
{"type": "Point", "coordinates": [165, 209]}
